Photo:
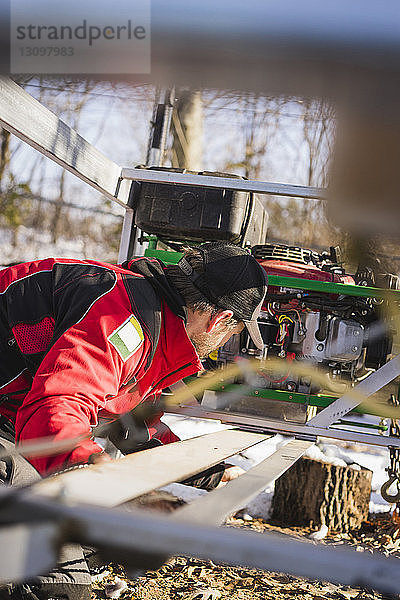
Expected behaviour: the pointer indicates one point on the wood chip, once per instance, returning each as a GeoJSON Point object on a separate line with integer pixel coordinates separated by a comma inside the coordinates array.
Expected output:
{"type": "Point", "coordinates": [204, 594]}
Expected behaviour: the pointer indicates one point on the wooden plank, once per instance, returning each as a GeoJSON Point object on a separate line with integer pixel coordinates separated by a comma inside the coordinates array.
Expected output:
{"type": "Point", "coordinates": [222, 502]}
{"type": "Point", "coordinates": [139, 473]}
{"type": "Point", "coordinates": [28, 119]}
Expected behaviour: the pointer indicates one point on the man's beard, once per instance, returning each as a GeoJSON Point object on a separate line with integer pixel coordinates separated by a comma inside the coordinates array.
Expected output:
{"type": "Point", "coordinates": [206, 343]}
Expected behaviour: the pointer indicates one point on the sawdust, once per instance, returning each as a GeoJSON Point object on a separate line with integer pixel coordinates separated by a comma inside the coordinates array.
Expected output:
{"type": "Point", "coordinates": [192, 579]}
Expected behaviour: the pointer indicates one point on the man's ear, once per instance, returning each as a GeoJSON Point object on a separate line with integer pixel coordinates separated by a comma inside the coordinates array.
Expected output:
{"type": "Point", "coordinates": [219, 317]}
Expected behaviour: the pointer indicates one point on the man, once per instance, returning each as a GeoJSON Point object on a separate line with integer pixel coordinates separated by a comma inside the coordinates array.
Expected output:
{"type": "Point", "coordinates": [82, 340]}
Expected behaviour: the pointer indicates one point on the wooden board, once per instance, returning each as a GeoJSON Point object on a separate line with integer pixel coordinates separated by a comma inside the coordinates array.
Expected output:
{"type": "Point", "coordinates": [220, 503]}
{"type": "Point", "coordinates": [28, 119]}
{"type": "Point", "coordinates": [136, 474]}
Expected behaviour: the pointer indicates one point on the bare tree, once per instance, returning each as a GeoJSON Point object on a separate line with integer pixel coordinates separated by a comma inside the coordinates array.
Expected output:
{"type": "Point", "coordinates": [318, 118]}
{"type": "Point", "coordinates": [187, 132]}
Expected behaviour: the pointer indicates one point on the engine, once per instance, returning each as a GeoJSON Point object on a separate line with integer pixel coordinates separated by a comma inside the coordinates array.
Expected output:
{"type": "Point", "coordinates": [330, 331]}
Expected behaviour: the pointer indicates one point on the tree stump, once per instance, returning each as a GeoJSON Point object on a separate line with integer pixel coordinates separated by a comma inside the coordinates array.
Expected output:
{"type": "Point", "coordinates": [314, 493]}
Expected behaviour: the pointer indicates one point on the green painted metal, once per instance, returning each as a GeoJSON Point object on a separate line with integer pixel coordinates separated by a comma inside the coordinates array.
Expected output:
{"type": "Point", "coordinates": [166, 256]}
{"type": "Point", "coordinates": [364, 425]}
{"type": "Point", "coordinates": [300, 284]}
{"type": "Point", "coordinates": [335, 288]}
{"type": "Point", "coordinates": [319, 400]}
{"type": "Point", "coordinates": [152, 241]}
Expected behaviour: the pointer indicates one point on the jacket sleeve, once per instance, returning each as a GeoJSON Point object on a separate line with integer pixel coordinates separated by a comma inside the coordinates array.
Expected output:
{"type": "Point", "coordinates": [77, 375]}
{"type": "Point", "coordinates": [157, 430]}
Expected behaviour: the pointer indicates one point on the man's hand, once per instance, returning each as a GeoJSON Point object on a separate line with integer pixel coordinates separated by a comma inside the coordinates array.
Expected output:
{"type": "Point", "coordinates": [231, 472]}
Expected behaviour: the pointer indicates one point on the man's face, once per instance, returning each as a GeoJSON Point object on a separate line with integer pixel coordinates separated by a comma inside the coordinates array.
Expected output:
{"type": "Point", "coordinates": [208, 342]}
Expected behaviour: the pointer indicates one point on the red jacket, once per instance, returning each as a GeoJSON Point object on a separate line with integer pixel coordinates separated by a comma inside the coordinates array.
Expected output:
{"type": "Point", "coordinates": [75, 336]}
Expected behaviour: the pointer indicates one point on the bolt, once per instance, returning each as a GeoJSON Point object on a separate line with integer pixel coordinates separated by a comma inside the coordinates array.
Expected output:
{"type": "Point", "coordinates": [356, 332]}
{"type": "Point", "coordinates": [354, 349]}
{"type": "Point", "coordinates": [244, 350]}
{"type": "Point", "coordinates": [320, 347]}
{"type": "Point", "coordinates": [256, 392]}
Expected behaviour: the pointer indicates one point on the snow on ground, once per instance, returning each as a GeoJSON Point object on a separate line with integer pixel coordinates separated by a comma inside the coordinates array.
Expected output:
{"type": "Point", "coordinates": [374, 458]}
{"type": "Point", "coordinates": [34, 245]}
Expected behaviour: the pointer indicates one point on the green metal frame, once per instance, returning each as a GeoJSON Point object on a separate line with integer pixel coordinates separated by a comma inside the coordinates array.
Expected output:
{"type": "Point", "coordinates": [295, 283]}
{"type": "Point", "coordinates": [166, 256]}
{"type": "Point", "coordinates": [319, 400]}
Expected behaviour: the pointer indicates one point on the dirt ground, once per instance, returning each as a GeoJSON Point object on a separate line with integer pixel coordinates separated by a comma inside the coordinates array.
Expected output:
{"type": "Point", "coordinates": [193, 579]}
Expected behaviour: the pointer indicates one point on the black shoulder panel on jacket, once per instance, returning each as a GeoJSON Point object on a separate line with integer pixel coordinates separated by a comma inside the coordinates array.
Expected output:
{"type": "Point", "coordinates": [76, 288]}
{"type": "Point", "coordinates": [146, 306]}
{"type": "Point", "coordinates": [30, 299]}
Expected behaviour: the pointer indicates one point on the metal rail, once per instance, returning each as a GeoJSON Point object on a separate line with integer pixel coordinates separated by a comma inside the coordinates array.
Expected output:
{"type": "Point", "coordinates": [33, 123]}
{"type": "Point", "coordinates": [370, 385]}
{"type": "Point", "coordinates": [269, 394]}
{"type": "Point", "coordinates": [296, 283]}
{"type": "Point", "coordinates": [137, 536]}
{"type": "Point", "coordinates": [229, 183]}
{"type": "Point", "coordinates": [265, 425]}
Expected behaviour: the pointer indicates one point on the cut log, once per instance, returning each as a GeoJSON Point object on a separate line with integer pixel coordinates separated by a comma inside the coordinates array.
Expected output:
{"type": "Point", "coordinates": [313, 493]}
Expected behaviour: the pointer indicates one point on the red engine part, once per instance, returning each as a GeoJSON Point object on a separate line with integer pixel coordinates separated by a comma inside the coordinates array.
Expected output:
{"type": "Point", "coordinates": [311, 272]}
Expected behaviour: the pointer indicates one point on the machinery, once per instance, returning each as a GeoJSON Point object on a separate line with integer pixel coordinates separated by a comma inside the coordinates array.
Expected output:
{"type": "Point", "coordinates": [330, 331]}
{"type": "Point", "coordinates": [314, 312]}
{"type": "Point", "coordinates": [325, 331]}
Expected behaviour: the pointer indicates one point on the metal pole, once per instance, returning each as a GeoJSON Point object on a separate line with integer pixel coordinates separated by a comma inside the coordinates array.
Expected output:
{"type": "Point", "coordinates": [138, 533]}
{"type": "Point", "coordinates": [160, 124]}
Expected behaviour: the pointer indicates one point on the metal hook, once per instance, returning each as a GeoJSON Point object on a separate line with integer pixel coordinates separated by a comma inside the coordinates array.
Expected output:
{"type": "Point", "coordinates": [391, 498]}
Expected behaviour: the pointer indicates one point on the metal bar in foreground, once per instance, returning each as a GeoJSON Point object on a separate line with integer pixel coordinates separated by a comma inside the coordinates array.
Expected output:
{"type": "Point", "coordinates": [132, 535]}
